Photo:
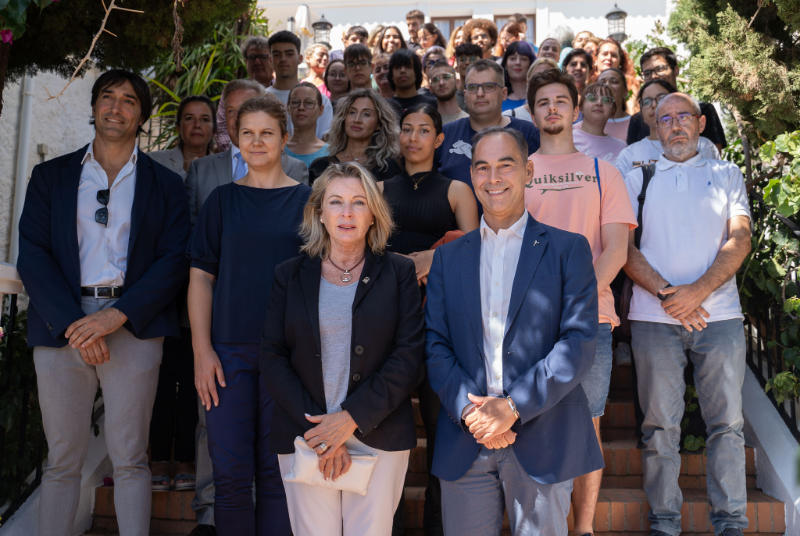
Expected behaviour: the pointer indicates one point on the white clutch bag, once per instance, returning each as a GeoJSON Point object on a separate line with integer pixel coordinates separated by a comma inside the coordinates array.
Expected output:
{"type": "Point", "coordinates": [306, 470]}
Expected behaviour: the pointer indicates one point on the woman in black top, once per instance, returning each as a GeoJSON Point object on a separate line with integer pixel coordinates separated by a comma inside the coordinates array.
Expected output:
{"type": "Point", "coordinates": [364, 130]}
{"type": "Point", "coordinates": [425, 205]}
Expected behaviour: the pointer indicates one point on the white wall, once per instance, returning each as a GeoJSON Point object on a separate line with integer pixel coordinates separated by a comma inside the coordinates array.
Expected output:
{"type": "Point", "coordinates": [62, 129]}
{"type": "Point", "coordinates": [577, 14]}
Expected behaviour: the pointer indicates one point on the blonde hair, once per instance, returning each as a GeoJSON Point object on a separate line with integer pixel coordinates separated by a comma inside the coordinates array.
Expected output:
{"type": "Point", "coordinates": [451, 43]}
{"type": "Point", "coordinates": [270, 105]}
{"type": "Point", "coordinates": [310, 50]}
{"type": "Point", "coordinates": [548, 61]}
{"type": "Point", "coordinates": [315, 235]}
{"type": "Point", "coordinates": [385, 141]}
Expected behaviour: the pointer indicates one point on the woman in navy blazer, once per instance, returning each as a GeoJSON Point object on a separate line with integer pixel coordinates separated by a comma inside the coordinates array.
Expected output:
{"type": "Point", "coordinates": [341, 358]}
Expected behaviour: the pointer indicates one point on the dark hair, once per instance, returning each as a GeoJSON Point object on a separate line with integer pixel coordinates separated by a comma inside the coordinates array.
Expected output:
{"type": "Point", "coordinates": [655, 81]}
{"type": "Point", "coordinates": [415, 14]}
{"type": "Point", "coordinates": [619, 72]}
{"type": "Point", "coordinates": [196, 98]}
{"type": "Point", "coordinates": [517, 47]}
{"type": "Point", "coordinates": [578, 52]}
{"type": "Point", "coordinates": [317, 93]}
{"type": "Point", "coordinates": [327, 70]}
{"type": "Point", "coordinates": [664, 52]}
{"type": "Point", "coordinates": [551, 76]}
{"type": "Point", "coordinates": [428, 110]}
{"type": "Point", "coordinates": [383, 33]}
{"type": "Point", "coordinates": [485, 65]}
{"type": "Point", "coordinates": [432, 29]}
{"type": "Point", "coordinates": [405, 58]}
{"type": "Point", "coordinates": [358, 30]}
{"type": "Point", "coordinates": [357, 51]}
{"type": "Point", "coordinates": [442, 64]}
{"type": "Point", "coordinates": [483, 24]}
{"type": "Point", "coordinates": [599, 88]}
{"type": "Point", "coordinates": [116, 77]}
{"type": "Point", "coordinates": [284, 36]}
{"type": "Point", "coordinates": [469, 49]}
{"type": "Point", "coordinates": [522, 144]}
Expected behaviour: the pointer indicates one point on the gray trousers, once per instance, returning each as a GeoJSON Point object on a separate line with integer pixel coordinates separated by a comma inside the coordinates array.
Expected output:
{"type": "Point", "coordinates": [67, 387]}
{"type": "Point", "coordinates": [203, 502]}
{"type": "Point", "coordinates": [474, 504]}
{"type": "Point", "coordinates": [662, 352]}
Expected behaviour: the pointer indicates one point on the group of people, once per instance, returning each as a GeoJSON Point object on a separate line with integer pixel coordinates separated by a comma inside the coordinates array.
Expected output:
{"type": "Point", "coordinates": [313, 252]}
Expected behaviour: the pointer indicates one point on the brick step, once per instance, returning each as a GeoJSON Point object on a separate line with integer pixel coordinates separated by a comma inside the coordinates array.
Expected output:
{"type": "Point", "coordinates": [624, 512]}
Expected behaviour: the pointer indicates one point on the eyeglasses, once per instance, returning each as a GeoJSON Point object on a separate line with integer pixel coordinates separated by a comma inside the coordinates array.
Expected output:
{"type": "Point", "coordinates": [353, 65]}
{"type": "Point", "coordinates": [464, 59]}
{"type": "Point", "coordinates": [488, 87]}
{"type": "Point", "coordinates": [446, 76]}
{"type": "Point", "coordinates": [101, 216]}
{"type": "Point", "coordinates": [684, 119]}
{"type": "Point", "coordinates": [606, 100]}
{"type": "Point", "coordinates": [308, 104]}
{"type": "Point", "coordinates": [659, 70]}
{"type": "Point", "coordinates": [647, 102]}
{"type": "Point", "coordinates": [254, 57]}
{"type": "Point", "coordinates": [430, 63]}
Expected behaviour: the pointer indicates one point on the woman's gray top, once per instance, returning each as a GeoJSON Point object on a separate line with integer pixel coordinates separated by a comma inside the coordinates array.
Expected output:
{"type": "Point", "coordinates": [335, 328]}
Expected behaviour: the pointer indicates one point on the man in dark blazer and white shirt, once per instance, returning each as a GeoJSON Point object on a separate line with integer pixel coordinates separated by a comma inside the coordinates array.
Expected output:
{"type": "Point", "coordinates": [206, 173]}
{"type": "Point", "coordinates": [103, 236]}
{"type": "Point", "coordinates": [511, 325]}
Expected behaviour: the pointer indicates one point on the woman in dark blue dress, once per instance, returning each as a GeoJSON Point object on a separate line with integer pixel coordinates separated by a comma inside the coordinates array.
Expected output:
{"type": "Point", "coordinates": [243, 231]}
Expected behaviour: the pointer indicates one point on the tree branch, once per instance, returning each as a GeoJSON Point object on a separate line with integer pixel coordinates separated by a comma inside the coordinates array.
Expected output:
{"type": "Point", "coordinates": [764, 176]}
{"type": "Point", "coordinates": [760, 5]}
{"type": "Point", "coordinates": [88, 55]}
{"type": "Point", "coordinates": [748, 164]}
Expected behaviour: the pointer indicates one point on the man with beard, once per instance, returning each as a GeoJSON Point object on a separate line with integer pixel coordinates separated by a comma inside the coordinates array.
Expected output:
{"type": "Point", "coordinates": [685, 306]}
{"type": "Point", "coordinates": [584, 195]}
{"type": "Point", "coordinates": [443, 86]}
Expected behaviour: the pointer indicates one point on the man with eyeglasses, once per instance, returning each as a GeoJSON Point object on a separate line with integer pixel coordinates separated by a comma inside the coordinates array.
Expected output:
{"type": "Point", "coordinates": [661, 62]}
{"type": "Point", "coordinates": [284, 49]}
{"type": "Point", "coordinates": [575, 192]}
{"type": "Point", "coordinates": [102, 242]}
{"type": "Point", "coordinates": [485, 92]}
{"type": "Point", "coordinates": [685, 306]}
{"type": "Point", "coordinates": [259, 68]}
{"type": "Point", "coordinates": [442, 77]}
{"type": "Point", "coordinates": [466, 55]}
{"type": "Point", "coordinates": [405, 78]}
{"type": "Point", "coordinates": [358, 66]}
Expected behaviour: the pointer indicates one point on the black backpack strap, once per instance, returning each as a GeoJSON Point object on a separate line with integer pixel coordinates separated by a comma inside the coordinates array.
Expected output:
{"type": "Point", "coordinates": [647, 173]}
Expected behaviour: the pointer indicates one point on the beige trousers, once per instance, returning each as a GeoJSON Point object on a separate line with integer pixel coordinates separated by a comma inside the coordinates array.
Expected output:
{"type": "Point", "coordinates": [317, 511]}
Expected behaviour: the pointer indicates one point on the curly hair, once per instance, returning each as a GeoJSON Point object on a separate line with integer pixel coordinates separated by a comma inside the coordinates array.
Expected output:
{"type": "Point", "coordinates": [385, 141]}
{"type": "Point", "coordinates": [482, 24]}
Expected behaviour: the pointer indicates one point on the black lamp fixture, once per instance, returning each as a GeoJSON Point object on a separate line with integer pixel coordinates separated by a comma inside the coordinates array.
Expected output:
{"type": "Point", "coordinates": [322, 30]}
{"type": "Point", "coordinates": [616, 24]}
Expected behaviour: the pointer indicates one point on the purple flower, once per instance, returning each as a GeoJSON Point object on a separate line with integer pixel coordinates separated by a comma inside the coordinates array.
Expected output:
{"type": "Point", "coordinates": [7, 36]}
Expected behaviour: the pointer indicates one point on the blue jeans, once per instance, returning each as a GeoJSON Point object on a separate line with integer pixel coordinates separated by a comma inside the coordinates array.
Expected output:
{"type": "Point", "coordinates": [597, 381]}
{"type": "Point", "coordinates": [661, 352]}
{"type": "Point", "coordinates": [238, 442]}
{"type": "Point", "coordinates": [474, 504]}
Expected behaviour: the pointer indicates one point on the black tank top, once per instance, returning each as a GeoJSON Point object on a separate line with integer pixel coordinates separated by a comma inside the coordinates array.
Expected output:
{"type": "Point", "coordinates": [422, 216]}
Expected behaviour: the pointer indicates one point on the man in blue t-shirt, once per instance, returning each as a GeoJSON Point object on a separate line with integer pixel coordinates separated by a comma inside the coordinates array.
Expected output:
{"type": "Point", "coordinates": [484, 93]}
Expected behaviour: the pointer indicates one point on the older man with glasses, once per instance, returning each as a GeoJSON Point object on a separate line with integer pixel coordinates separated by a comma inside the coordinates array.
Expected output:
{"type": "Point", "coordinates": [259, 68]}
{"type": "Point", "coordinates": [683, 259]}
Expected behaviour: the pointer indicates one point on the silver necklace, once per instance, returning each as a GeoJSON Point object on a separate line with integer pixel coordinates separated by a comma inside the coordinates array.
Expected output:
{"type": "Point", "coordinates": [346, 276]}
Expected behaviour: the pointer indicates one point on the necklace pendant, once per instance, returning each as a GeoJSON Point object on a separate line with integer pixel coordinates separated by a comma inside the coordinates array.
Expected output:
{"type": "Point", "coordinates": [346, 276]}
{"type": "Point", "coordinates": [415, 186]}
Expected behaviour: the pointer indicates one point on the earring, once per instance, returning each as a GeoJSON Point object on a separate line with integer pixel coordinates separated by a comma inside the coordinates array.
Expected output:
{"type": "Point", "coordinates": [321, 221]}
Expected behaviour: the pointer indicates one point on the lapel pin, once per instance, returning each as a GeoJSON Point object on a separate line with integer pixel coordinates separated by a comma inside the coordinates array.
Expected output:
{"type": "Point", "coordinates": [365, 280]}
{"type": "Point", "coordinates": [535, 242]}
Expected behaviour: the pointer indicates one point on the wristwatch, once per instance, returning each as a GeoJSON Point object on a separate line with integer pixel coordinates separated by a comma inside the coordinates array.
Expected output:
{"type": "Point", "coordinates": [663, 297]}
{"type": "Point", "coordinates": [513, 407]}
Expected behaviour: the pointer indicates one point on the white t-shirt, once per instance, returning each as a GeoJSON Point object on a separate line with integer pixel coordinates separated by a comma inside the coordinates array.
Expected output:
{"type": "Point", "coordinates": [685, 218]}
{"type": "Point", "coordinates": [646, 152]}
{"type": "Point", "coordinates": [324, 121]}
{"type": "Point", "coordinates": [520, 113]}
{"type": "Point", "coordinates": [601, 147]}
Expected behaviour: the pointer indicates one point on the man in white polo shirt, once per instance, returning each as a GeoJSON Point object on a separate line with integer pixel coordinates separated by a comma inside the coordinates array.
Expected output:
{"type": "Point", "coordinates": [695, 235]}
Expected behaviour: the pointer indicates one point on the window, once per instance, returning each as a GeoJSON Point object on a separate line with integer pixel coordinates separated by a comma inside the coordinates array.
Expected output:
{"type": "Point", "coordinates": [447, 24]}
{"type": "Point", "coordinates": [530, 35]}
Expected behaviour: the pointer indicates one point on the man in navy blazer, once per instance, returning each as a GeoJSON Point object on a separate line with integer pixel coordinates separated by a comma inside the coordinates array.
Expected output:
{"type": "Point", "coordinates": [103, 237]}
{"type": "Point", "coordinates": [511, 320]}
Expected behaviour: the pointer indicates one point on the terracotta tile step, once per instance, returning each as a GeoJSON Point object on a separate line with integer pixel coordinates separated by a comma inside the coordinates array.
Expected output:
{"type": "Point", "coordinates": [158, 527]}
{"type": "Point", "coordinates": [166, 506]}
{"type": "Point", "coordinates": [625, 511]}
{"type": "Point", "coordinates": [622, 458]}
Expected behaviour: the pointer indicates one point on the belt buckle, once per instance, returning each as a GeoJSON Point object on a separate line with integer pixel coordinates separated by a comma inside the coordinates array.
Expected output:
{"type": "Point", "coordinates": [95, 292]}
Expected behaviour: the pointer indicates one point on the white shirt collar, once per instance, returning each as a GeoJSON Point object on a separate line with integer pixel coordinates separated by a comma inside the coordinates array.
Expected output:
{"type": "Point", "coordinates": [697, 161]}
{"type": "Point", "coordinates": [89, 156]}
{"type": "Point", "coordinates": [517, 228]}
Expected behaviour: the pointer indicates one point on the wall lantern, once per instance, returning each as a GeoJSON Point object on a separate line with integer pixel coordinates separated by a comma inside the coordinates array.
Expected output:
{"type": "Point", "coordinates": [322, 30]}
{"type": "Point", "coordinates": [616, 24]}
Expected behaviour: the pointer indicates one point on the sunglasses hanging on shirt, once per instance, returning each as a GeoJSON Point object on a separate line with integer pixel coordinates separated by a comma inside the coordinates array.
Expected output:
{"type": "Point", "coordinates": [101, 216]}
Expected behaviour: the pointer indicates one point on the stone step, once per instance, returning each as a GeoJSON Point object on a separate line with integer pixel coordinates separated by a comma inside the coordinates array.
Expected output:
{"type": "Point", "coordinates": [623, 512]}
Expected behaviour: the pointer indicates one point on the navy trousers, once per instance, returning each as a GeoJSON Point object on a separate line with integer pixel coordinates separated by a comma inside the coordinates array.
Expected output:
{"type": "Point", "coordinates": [238, 443]}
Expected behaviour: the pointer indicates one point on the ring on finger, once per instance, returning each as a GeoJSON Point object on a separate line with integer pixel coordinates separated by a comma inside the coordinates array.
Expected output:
{"type": "Point", "coordinates": [323, 447]}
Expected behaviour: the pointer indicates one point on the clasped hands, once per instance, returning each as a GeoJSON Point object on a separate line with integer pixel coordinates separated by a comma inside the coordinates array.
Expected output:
{"type": "Point", "coordinates": [87, 334]}
{"type": "Point", "coordinates": [683, 304]}
{"type": "Point", "coordinates": [490, 421]}
{"type": "Point", "coordinates": [333, 430]}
